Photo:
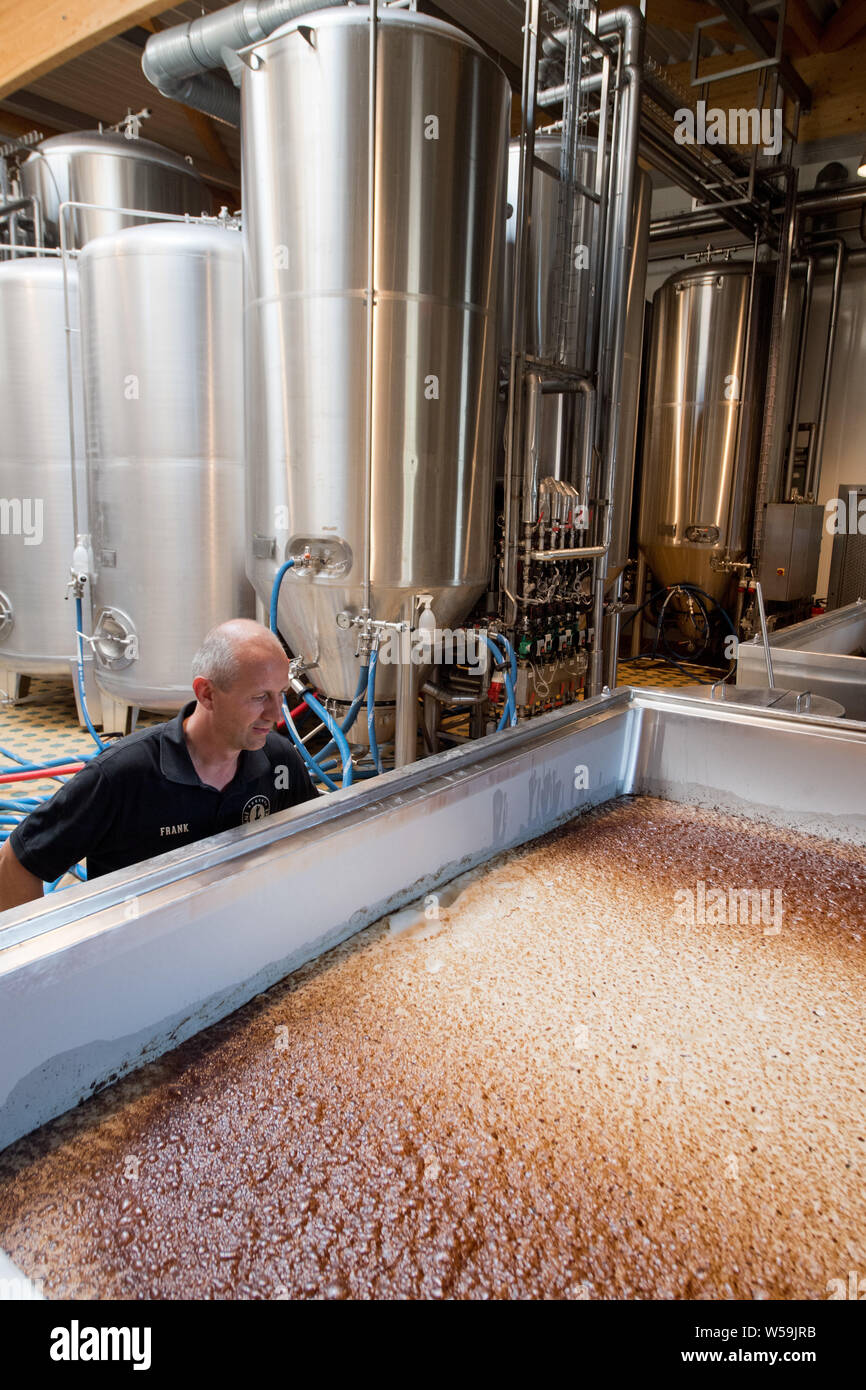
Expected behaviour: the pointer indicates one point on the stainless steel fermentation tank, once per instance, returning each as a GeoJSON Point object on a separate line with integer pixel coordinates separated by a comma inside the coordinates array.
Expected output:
{"type": "Point", "coordinates": [107, 169]}
{"type": "Point", "coordinates": [441, 138]}
{"type": "Point", "coordinates": [702, 423]}
{"type": "Point", "coordinates": [37, 628]}
{"type": "Point", "coordinates": [557, 326]}
{"type": "Point", "coordinates": [35, 394]}
{"type": "Point", "coordinates": [161, 329]}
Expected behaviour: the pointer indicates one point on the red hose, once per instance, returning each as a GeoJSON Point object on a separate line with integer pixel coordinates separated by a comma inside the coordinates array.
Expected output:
{"type": "Point", "coordinates": [40, 773]}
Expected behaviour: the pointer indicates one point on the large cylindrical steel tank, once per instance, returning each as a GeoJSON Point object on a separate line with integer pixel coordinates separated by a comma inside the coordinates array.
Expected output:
{"type": "Point", "coordinates": [106, 168]}
{"type": "Point", "coordinates": [37, 628]}
{"type": "Point", "coordinates": [442, 129]}
{"type": "Point", "coordinates": [562, 326]}
{"type": "Point", "coordinates": [161, 340]}
{"type": "Point", "coordinates": [702, 423]}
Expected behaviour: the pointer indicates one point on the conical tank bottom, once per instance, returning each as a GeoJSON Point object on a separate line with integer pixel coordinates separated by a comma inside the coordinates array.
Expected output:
{"type": "Point", "coordinates": [689, 564]}
{"type": "Point", "coordinates": [308, 623]}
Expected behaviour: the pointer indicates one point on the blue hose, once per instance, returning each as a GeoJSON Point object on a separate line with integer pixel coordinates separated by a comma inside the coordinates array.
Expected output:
{"type": "Point", "coordinates": [26, 766]}
{"type": "Point", "coordinates": [336, 733]}
{"type": "Point", "coordinates": [371, 711]}
{"type": "Point", "coordinates": [506, 664]}
{"type": "Point", "coordinates": [81, 695]}
{"type": "Point", "coordinates": [357, 701]}
{"type": "Point", "coordinates": [510, 653]}
{"type": "Point", "coordinates": [315, 769]}
{"type": "Point", "coordinates": [275, 594]}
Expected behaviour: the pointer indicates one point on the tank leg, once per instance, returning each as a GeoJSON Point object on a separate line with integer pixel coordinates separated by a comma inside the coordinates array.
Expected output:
{"type": "Point", "coordinates": [406, 735]}
{"type": "Point", "coordinates": [611, 638]}
{"type": "Point", "coordinates": [15, 684]}
{"type": "Point", "coordinates": [117, 716]}
{"type": "Point", "coordinates": [431, 724]}
{"type": "Point", "coordinates": [639, 596]}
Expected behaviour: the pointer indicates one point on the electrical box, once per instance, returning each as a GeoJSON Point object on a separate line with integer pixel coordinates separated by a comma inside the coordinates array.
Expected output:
{"type": "Point", "coordinates": [788, 570]}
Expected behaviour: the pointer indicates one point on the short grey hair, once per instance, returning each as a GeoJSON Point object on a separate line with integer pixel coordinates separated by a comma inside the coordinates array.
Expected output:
{"type": "Point", "coordinates": [217, 660]}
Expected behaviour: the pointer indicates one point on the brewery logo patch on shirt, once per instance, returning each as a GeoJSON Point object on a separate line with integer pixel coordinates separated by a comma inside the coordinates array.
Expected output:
{"type": "Point", "coordinates": [256, 808]}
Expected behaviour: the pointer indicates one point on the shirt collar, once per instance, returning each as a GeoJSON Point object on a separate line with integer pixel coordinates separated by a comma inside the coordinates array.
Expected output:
{"type": "Point", "coordinates": [174, 760]}
{"type": "Point", "coordinates": [176, 764]}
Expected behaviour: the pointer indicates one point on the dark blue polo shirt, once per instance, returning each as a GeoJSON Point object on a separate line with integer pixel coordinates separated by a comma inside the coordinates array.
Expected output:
{"type": "Point", "coordinates": [143, 796]}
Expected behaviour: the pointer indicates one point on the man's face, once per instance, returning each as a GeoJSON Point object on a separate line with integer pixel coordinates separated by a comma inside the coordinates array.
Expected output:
{"type": "Point", "coordinates": [245, 713]}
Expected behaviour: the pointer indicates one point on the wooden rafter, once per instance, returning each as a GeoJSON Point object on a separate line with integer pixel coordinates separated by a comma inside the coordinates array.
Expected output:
{"type": "Point", "coordinates": [34, 39]}
{"type": "Point", "coordinates": [846, 24]}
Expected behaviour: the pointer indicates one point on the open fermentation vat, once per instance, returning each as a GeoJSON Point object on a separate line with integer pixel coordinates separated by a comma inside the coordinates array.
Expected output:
{"type": "Point", "coordinates": [114, 973]}
{"type": "Point", "coordinates": [826, 655]}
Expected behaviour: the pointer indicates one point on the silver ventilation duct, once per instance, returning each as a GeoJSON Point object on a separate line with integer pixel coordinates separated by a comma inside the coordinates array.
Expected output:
{"type": "Point", "coordinates": [183, 62]}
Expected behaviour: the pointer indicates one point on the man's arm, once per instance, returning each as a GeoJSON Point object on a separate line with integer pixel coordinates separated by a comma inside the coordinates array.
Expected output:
{"type": "Point", "coordinates": [56, 835]}
{"type": "Point", "coordinates": [17, 884]}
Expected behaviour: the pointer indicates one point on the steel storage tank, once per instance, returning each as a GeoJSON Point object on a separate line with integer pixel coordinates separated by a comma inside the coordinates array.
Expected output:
{"type": "Point", "coordinates": [37, 628]}
{"type": "Point", "coordinates": [697, 493]}
{"type": "Point", "coordinates": [109, 169]}
{"type": "Point", "coordinates": [549, 328]}
{"type": "Point", "coordinates": [161, 343]}
{"type": "Point", "coordinates": [442, 132]}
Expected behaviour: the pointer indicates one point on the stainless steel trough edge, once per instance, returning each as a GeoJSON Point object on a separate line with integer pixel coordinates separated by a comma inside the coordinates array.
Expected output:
{"type": "Point", "coordinates": [815, 655]}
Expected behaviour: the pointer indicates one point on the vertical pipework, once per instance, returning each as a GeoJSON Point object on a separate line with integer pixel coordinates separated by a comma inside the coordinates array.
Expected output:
{"type": "Point", "coordinates": [798, 378]}
{"type": "Point", "coordinates": [529, 503]}
{"type": "Point", "coordinates": [628, 22]}
{"type": "Point", "coordinates": [371, 275]}
{"type": "Point", "coordinates": [770, 457]}
{"type": "Point", "coordinates": [612, 624]}
{"type": "Point", "coordinates": [813, 471]}
{"type": "Point", "coordinates": [745, 367]}
{"type": "Point", "coordinates": [64, 210]}
{"type": "Point", "coordinates": [587, 390]}
{"type": "Point", "coordinates": [406, 732]}
{"type": "Point", "coordinates": [514, 418]}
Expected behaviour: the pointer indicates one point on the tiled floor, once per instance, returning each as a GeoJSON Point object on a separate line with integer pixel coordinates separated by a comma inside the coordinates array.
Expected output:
{"type": "Point", "coordinates": [44, 725]}
{"type": "Point", "coordinates": [646, 671]}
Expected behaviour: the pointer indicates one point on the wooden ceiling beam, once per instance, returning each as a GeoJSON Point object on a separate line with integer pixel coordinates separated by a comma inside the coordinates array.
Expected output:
{"type": "Point", "coordinates": [39, 109]}
{"type": "Point", "coordinates": [800, 21]}
{"type": "Point", "coordinates": [34, 39]}
{"type": "Point", "coordinates": [11, 124]}
{"type": "Point", "coordinates": [846, 24]}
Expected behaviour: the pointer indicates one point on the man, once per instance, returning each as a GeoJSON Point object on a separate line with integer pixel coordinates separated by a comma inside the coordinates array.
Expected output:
{"type": "Point", "coordinates": [216, 765]}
